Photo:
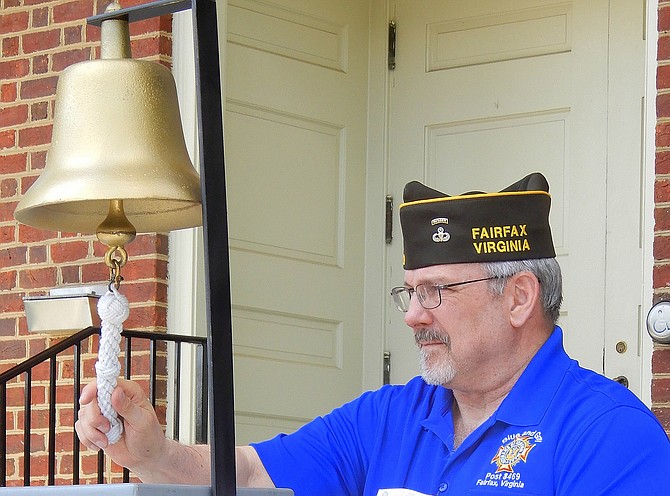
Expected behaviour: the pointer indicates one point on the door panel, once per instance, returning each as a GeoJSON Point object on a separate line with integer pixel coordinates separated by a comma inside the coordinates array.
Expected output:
{"type": "Point", "coordinates": [296, 84]}
{"type": "Point", "coordinates": [486, 92]}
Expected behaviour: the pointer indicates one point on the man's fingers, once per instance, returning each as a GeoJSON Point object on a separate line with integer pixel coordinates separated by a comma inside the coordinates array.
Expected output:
{"type": "Point", "coordinates": [88, 394]}
{"type": "Point", "coordinates": [130, 402]}
{"type": "Point", "coordinates": [92, 427]}
{"type": "Point", "coordinates": [93, 445]}
{"type": "Point", "coordinates": [131, 389]}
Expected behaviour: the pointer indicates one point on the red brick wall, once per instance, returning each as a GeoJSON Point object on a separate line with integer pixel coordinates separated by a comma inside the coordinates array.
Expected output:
{"type": "Point", "coordinates": [661, 277]}
{"type": "Point", "coordinates": [38, 39]}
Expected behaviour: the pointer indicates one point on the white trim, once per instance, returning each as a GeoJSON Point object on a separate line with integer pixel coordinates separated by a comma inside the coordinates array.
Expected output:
{"type": "Point", "coordinates": [184, 310]}
{"type": "Point", "coordinates": [376, 190]}
{"type": "Point", "coordinates": [183, 244]}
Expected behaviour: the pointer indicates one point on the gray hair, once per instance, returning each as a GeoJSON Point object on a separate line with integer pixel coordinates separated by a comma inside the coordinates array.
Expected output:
{"type": "Point", "coordinates": [547, 271]}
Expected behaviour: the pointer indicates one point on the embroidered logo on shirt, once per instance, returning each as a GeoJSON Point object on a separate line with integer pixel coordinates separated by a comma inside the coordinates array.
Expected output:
{"type": "Point", "coordinates": [514, 448]}
{"type": "Point", "coordinates": [513, 452]}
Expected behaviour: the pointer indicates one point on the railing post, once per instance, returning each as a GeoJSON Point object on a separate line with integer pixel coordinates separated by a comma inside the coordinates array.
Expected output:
{"type": "Point", "coordinates": [101, 467]}
{"type": "Point", "coordinates": [76, 393]}
{"type": "Point", "coordinates": [152, 372]}
{"type": "Point", "coordinates": [27, 404]}
{"type": "Point", "coordinates": [177, 391]}
{"type": "Point", "coordinates": [126, 372]}
{"type": "Point", "coordinates": [3, 433]}
{"type": "Point", "coordinates": [201, 388]}
{"type": "Point", "coordinates": [52, 422]}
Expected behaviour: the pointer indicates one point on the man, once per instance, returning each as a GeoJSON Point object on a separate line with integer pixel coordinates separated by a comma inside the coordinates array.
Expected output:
{"type": "Point", "coordinates": [499, 409]}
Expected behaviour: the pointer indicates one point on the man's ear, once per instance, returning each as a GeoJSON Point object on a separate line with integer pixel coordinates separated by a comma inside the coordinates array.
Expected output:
{"type": "Point", "coordinates": [523, 289]}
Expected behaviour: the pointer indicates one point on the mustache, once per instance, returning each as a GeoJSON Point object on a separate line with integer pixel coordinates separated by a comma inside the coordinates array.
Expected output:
{"type": "Point", "coordinates": [425, 335]}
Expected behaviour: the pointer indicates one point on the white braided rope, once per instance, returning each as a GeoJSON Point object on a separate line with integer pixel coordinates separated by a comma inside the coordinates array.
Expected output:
{"type": "Point", "coordinates": [113, 310]}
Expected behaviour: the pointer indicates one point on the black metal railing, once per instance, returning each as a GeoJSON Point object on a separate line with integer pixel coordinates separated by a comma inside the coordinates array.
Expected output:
{"type": "Point", "coordinates": [75, 343]}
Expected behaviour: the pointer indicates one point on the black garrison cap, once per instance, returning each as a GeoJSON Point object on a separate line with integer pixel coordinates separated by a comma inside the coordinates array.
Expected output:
{"type": "Point", "coordinates": [512, 224]}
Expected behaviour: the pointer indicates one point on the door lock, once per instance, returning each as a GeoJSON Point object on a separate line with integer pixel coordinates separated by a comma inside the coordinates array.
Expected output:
{"type": "Point", "coordinates": [621, 347]}
{"type": "Point", "coordinates": [622, 379]}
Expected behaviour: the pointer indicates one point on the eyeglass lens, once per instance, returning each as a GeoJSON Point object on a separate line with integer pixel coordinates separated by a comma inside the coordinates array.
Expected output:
{"type": "Point", "coordinates": [401, 298]}
{"type": "Point", "coordinates": [428, 295]}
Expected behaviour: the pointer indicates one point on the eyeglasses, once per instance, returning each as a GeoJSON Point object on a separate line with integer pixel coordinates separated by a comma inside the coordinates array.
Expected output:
{"type": "Point", "coordinates": [429, 295]}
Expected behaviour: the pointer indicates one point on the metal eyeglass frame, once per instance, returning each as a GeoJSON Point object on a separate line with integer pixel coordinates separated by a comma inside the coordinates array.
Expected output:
{"type": "Point", "coordinates": [402, 304]}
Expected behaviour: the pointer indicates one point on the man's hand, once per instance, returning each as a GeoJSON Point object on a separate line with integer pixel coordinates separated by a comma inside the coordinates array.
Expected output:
{"type": "Point", "coordinates": [142, 443]}
{"type": "Point", "coordinates": [144, 449]}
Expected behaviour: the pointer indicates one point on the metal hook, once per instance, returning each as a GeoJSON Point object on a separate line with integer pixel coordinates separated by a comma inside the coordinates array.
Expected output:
{"type": "Point", "coordinates": [115, 277]}
{"type": "Point", "coordinates": [115, 265]}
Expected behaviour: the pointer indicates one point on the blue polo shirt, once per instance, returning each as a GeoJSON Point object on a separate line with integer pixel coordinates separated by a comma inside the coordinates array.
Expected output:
{"type": "Point", "coordinates": [562, 430]}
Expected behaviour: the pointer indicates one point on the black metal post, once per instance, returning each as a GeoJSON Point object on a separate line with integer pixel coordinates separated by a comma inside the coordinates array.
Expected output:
{"type": "Point", "coordinates": [217, 268]}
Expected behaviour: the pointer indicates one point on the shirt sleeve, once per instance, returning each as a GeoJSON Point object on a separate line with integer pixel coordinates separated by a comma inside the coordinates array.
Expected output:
{"type": "Point", "coordinates": [614, 456]}
{"type": "Point", "coordinates": [329, 456]}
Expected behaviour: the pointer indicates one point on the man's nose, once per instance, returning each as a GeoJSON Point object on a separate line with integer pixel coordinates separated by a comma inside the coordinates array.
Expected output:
{"type": "Point", "coordinates": [417, 316]}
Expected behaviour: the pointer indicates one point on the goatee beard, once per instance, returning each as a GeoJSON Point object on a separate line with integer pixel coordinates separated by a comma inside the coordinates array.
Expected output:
{"type": "Point", "coordinates": [441, 371]}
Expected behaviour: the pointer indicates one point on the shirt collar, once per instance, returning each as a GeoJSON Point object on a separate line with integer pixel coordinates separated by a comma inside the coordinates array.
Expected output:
{"type": "Point", "coordinates": [440, 420]}
{"type": "Point", "coordinates": [530, 397]}
{"type": "Point", "coordinates": [528, 400]}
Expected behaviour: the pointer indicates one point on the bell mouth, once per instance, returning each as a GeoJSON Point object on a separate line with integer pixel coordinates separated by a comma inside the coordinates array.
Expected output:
{"type": "Point", "coordinates": [84, 216]}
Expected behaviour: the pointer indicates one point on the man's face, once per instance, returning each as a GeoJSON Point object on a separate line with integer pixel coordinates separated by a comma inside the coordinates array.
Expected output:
{"type": "Point", "coordinates": [460, 339]}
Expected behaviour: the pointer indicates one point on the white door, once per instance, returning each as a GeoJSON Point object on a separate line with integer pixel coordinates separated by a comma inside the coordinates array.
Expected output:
{"type": "Point", "coordinates": [295, 126]}
{"type": "Point", "coordinates": [485, 92]}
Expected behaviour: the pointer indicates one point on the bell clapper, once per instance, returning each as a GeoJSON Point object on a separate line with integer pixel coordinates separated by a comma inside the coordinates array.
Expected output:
{"type": "Point", "coordinates": [116, 231]}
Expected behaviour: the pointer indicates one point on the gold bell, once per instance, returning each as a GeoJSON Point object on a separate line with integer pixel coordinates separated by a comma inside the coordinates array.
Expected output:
{"type": "Point", "coordinates": [117, 146]}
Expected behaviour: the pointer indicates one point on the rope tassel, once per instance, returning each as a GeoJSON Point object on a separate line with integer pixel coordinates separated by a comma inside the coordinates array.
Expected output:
{"type": "Point", "coordinates": [113, 310]}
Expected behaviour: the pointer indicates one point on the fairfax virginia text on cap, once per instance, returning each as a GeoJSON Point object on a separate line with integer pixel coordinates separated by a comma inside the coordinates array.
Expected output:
{"type": "Point", "coordinates": [512, 224]}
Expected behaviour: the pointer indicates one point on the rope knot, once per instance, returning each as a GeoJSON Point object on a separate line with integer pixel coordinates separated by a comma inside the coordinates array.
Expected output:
{"type": "Point", "coordinates": [113, 309]}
